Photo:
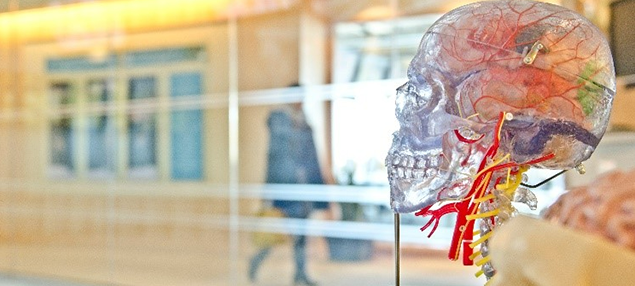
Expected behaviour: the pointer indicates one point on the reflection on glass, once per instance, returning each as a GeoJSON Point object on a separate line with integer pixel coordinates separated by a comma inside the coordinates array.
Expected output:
{"type": "Point", "coordinates": [102, 141]}
{"type": "Point", "coordinates": [142, 87]}
{"type": "Point", "coordinates": [101, 132]}
{"type": "Point", "coordinates": [377, 50]}
{"type": "Point", "coordinates": [142, 131]}
{"type": "Point", "coordinates": [62, 163]}
{"type": "Point", "coordinates": [185, 84]}
{"type": "Point", "coordinates": [142, 146]}
{"type": "Point", "coordinates": [60, 94]}
{"type": "Point", "coordinates": [164, 56]}
{"type": "Point", "coordinates": [186, 149]}
{"type": "Point", "coordinates": [186, 129]}
{"type": "Point", "coordinates": [62, 135]}
{"type": "Point", "coordinates": [372, 67]}
{"type": "Point", "coordinates": [99, 90]}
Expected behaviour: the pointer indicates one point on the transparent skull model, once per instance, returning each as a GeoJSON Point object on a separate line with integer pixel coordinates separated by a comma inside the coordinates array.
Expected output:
{"type": "Point", "coordinates": [495, 88]}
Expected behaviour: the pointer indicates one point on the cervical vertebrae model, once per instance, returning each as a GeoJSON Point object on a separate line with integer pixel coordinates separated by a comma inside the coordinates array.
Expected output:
{"type": "Point", "coordinates": [495, 88]}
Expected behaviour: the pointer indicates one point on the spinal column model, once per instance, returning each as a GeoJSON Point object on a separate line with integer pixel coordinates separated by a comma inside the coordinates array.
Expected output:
{"type": "Point", "coordinates": [495, 88]}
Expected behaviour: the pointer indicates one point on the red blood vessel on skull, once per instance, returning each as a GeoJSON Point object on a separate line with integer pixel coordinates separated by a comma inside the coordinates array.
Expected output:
{"type": "Point", "coordinates": [495, 88]}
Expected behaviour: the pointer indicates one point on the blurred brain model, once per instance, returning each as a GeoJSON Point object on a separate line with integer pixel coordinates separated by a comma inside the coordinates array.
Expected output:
{"type": "Point", "coordinates": [495, 88]}
{"type": "Point", "coordinates": [605, 208]}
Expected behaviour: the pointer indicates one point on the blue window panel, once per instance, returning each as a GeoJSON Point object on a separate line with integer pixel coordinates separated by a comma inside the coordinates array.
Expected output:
{"type": "Point", "coordinates": [186, 150]}
{"type": "Point", "coordinates": [162, 56]}
{"type": "Point", "coordinates": [102, 145]}
{"type": "Point", "coordinates": [132, 59]}
{"type": "Point", "coordinates": [185, 84]}
{"type": "Point", "coordinates": [62, 148]}
{"type": "Point", "coordinates": [100, 90]}
{"type": "Point", "coordinates": [142, 145]}
{"type": "Point", "coordinates": [77, 64]}
{"type": "Point", "coordinates": [142, 87]}
{"type": "Point", "coordinates": [61, 94]}
{"type": "Point", "coordinates": [186, 129]}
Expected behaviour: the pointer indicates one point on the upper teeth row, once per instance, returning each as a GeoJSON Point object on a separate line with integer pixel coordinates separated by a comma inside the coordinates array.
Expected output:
{"type": "Point", "coordinates": [408, 173]}
{"type": "Point", "coordinates": [412, 162]}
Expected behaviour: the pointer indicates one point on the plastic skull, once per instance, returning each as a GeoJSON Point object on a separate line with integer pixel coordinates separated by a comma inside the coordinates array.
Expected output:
{"type": "Point", "coordinates": [547, 70]}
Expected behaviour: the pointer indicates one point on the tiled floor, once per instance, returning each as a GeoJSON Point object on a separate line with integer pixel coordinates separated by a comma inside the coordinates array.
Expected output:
{"type": "Point", "coordinates": [13, 280]}
{"type": "Point", "coordinates": [418, 267]}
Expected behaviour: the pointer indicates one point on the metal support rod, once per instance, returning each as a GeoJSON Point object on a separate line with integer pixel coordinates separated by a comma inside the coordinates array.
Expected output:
{"type": "Point", "coordinates": [397, 251]}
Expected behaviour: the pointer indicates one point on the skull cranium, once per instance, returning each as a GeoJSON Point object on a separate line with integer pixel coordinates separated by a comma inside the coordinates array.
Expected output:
{"type": "Point", "coordinates": [545, 69]}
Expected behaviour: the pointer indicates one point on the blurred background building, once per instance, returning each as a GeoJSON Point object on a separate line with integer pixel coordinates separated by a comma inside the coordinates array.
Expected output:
{"type": "Point", "coordinates": [133, 137]}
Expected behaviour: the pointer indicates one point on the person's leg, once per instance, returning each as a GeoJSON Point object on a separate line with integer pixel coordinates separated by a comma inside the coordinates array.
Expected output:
{"type": "Point", "coordinates": [255, 262]}
{"type": "Point", "coordinates": [299, 252]}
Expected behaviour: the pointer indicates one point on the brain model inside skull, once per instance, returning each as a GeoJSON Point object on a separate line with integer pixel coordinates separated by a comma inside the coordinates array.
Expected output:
{"type": "Point", "coordinates": [495, 88]}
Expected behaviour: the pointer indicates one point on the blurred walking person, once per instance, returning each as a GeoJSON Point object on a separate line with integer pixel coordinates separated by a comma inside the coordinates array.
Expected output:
{"type": "Point", "coordinates": [292, 159]}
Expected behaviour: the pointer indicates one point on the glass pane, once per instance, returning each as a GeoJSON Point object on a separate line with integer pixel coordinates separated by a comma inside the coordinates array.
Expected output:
{"type": "Point", "coordinates": [187, 146]}
{"type": "Point", "coordinates": [184, 84]}
{"type": "Point", "coordinates": [142, 87]}
{"type": "Point", "coordinates": [102, 146]}
{"type": "Point", "coordinates": [77, 64]}
{"type": "Point", "coordinates": [61, 94]}
{"type": "Point", "coordinates": [186, 129]}
{"type": "Point", "coordinates": [102, 136]}
{"type": "Point", "coordinates": [142, 146]}
{"type": "Point", "coordinates": [377, 49]}
{"type": "Point", "coordinates": [100, 90]}
{"type": "Point", "coordinates": [164, 56]}
{"type": "Point", "coordinates": [62, 148]}
{"type": "Point", "coordinates": [137, 144]}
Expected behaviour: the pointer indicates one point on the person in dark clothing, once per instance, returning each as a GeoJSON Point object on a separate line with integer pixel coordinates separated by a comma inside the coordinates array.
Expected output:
{"type": "Point", "coordinates": [292, 159]}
